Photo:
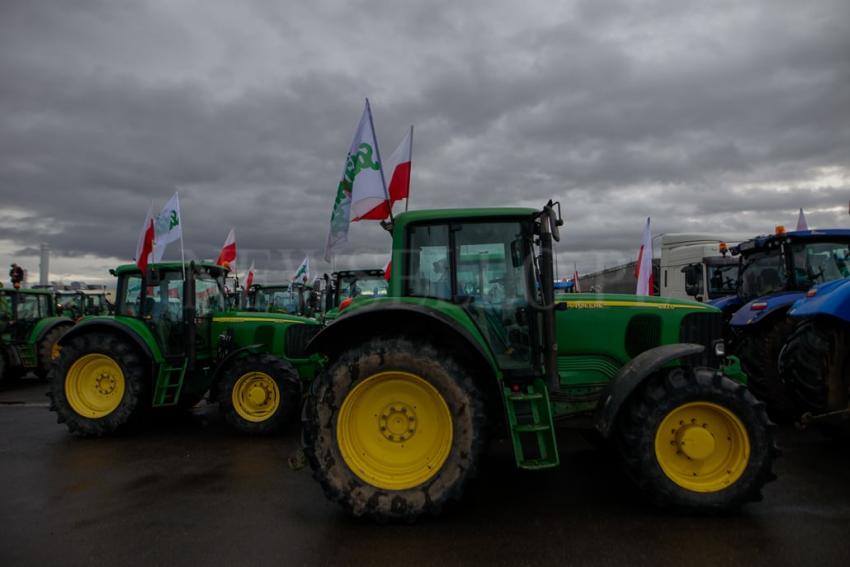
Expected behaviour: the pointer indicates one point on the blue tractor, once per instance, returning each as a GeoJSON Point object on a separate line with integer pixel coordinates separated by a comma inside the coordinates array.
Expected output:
{"type": "Point", "coordinates": [815, 362]}
{"type": "Point", "coordinates": [775, 271]}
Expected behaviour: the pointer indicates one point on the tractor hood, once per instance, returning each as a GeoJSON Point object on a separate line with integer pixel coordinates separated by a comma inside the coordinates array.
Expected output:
{"type": "Point", "coordinates": [261, 317]}
{"type": "Point", "coordinates": [757, 310]}
{"type": "Point", "coordinates": [831, 299]}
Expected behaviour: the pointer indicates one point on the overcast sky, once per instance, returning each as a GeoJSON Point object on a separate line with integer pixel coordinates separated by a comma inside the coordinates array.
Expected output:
{"type": "Point", "coordinates": [706, 116]}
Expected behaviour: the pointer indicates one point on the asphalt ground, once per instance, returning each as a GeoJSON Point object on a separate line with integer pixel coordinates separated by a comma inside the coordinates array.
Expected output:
{"type": "Point", "coordinates": [185, 490]}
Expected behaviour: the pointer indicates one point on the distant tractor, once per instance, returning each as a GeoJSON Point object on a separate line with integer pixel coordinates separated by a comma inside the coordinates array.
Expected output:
{"type": "Point", "coordinates": [294, 298]}
{"type": "Point", "coordinates": [471, 341]}
{"type": "Point", "coordinates": [78, 303]}
{"type": "Point", "coordinates": [347, 285]}
{"type": "Point", "coordinates": [775, 271]}
{"type": "Point", "coordinates": [29, 329]}
{"type": "Point", "coordinates": [173, 340]}
{"type": "Point", "coordinates": [814, 364]}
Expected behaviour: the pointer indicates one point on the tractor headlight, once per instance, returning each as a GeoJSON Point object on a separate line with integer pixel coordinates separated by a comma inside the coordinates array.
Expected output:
{"type": "Point", "coordinates": [720, 348]}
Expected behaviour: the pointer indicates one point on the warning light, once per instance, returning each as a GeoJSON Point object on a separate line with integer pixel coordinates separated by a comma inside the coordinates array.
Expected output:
{"type": "Point", "coordinates": [723, 248]}
{"type": "Point", "coordinates": [780, 229]}
{"type": "Point", "coordinates": [345, 303]}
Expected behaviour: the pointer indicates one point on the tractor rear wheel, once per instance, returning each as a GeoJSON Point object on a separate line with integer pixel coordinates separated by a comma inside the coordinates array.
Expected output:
{"type": "Point", "coordinates": [815, 365]}
{"type": "Point", "coordinates": [97, 384]}
{"type": "Point", "coordinates": [697, 441]}
{"type": "Point", "coordinates": [46, 353]}
{"type": "Point", "coordinates": [259, 394]}
{"type": "Point", "coordinates": [394, 430]}
{"type": "Point", "coordinates": [759, 353]}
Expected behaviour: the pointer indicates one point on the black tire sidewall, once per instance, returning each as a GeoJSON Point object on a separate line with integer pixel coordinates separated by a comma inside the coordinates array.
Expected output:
{"type": "Point", "coordinates": [322, 414]}
{"type": "Point", "coordinates": [136, 379]}
{"type": "Point", "coordinates": [285, 377]}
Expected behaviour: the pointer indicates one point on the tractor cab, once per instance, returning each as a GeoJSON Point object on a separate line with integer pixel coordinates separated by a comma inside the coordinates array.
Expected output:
{"type": "Point", "coordinates": [21, 310]}
{"type": "Point", "coordinates": [78, 303]}
{"type": "Point", "coordinates": [344, 286]}
{"type": "Point", "coordinates": [274, 298]}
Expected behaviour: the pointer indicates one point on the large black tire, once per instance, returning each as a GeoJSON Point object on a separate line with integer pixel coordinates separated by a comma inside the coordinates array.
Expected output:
{"type": "Point", "coordinates": [639, 425]}
{"type": "Point", "coordinates": [815, 365]}
{"type": "Point", "coordinates": [45, 349]}
{"type": "Point", "coordinates": [445, 378]}
{"type": "Point", "coordinates": [759, 351]}
{"type": "Point", "coordinates": [259, 419]}
{"type": "Point", "coordinates": [136, 375]}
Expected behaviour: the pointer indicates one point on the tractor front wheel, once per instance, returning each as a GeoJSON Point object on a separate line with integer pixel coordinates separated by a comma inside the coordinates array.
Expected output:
{"type": "Point", "coordinates": [697, 441]}
{"type": "Point", "coordinates": [393, 429]}
{"type": "Point", "coordinates": [759, 350]}
{"type": "Point", "coordinates": [259, 394]}
{"type": "Point", "coordinates": [97, 384]}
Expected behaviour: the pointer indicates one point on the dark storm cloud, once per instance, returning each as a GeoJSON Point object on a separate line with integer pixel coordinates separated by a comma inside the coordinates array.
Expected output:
{"type": "Point", "coordinates": [711, 117]}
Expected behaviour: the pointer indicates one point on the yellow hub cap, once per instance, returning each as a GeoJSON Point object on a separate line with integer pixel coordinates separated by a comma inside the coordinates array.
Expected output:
{"type": "Point", "coordinates": [94, 385]}
{"type": "Point", "coordinates": [255, 396]}
{"type": "Point", "coordinates": [702, 447]}
{"type": "Point", "coordinates": [394, 430]}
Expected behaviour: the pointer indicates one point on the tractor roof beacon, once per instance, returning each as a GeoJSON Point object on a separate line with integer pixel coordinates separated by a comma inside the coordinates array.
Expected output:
{"type": "Point", "coordinates": [29, 329]}
{"type": "Point", "coordinates": [466, 342]}
{"type": "Point", "coordinates": [171, 341]}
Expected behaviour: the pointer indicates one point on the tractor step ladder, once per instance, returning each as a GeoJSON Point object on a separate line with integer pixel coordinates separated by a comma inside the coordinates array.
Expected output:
{"type": "Point", "coordinates": [169, 382]}
{"type": "Point", "coordinates": [531, 425]}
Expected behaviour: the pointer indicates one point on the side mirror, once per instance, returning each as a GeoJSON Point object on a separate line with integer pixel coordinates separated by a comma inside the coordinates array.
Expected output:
{"type": "Point", "coordinates": [693, 280]}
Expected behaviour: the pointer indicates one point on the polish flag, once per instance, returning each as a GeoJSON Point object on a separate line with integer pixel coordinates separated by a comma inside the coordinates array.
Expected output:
{"type": "Point", "coordinates": [388, 269]}
{"type": "Point", "coordinates": [643, 266]}
{"type": "Point", "coordinates": [576, 285]}
{"type": "Point", "coordinates": [144, 246]}
{"type": "Point", "coordinates": [249, 281]}
{"type": "Point", "coordinates": [400, 163]}
{"type": "Point", "coordinates": [227, 257]}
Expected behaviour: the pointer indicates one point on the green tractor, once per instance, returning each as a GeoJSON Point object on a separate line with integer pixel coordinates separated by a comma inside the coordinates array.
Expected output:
{"type": "Point", "coordinates": [344, 286]}
{"type": "Point", "coordinates": [471, 341]}
{"type": "Point", "coordinates": [172, 340]}
{"type": "Point", "coordinates": [79, 303]}
{"type": "Point", "coordinates": [29, 329]}
{"type": "Point", "coordinates": [295, 298]}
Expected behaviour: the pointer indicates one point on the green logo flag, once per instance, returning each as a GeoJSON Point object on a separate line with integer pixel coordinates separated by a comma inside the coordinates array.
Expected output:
{"type": "Point", "coordinates": [302, 274]}
{"type": "Point", "coordinates": [362, 183]}
{"type": "Point", "coordinates": [167, 227]}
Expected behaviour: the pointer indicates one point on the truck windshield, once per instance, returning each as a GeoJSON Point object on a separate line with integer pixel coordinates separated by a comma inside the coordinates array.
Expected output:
{"type": "Point", "coordinates": [763, 273]}
{"type": "Point", "coordinates": [818, 262]}
{"type": "Point", "coordinates": [722, 280]}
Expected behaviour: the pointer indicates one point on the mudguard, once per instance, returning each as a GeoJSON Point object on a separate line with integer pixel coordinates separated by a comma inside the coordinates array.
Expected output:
{"type": "Point", "coordinates": [134, 330]}
{"type": "Point", "coordinates": [631, 376]}
{"type": "Point", "coordinates": [831, 299]}
{"type": "Point", "coordinates": [747, 316]}
{"type": "Point", "coordinates": [46, 325]}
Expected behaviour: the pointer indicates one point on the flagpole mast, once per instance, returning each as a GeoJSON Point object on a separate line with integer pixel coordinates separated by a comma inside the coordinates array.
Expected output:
{"type": "Point", "coordinates": [409, 171]}
{"type": "Point", "coordinates": [378, 154]}
{"type": "Point", "coordinates": [182, 253]}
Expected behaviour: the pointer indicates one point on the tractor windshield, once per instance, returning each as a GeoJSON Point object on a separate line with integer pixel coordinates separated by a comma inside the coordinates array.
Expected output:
{"type": "Point", "coordinates": [722, 280]}
{"type": "Point", "coordinates": [368, 286]}
{"type": "Point", "coordinates": [818, 262]}
{"type": "Point", "coordinates": [277, 299]}
{"type": "Point", "coordinates": [763, 273]}
{"type": "Point", "coordinates": [472, 264]}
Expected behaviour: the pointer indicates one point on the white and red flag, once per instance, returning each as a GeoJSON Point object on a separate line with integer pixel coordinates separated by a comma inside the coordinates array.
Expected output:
{"type": "Point", "coordinates": [643, 266]}
{"type": "Point", "coordinates": [227, 256]}
{"type": "Point", "coordinates": [576, 285]}
{"type": "Point", "coordinates": [249, 280]}
{"type": "Point", "coordinates": [399, 165]}
{"type": "Point", "coordinates": [145, 244]}
{"type": "Point", "coordinates": [801, 221]}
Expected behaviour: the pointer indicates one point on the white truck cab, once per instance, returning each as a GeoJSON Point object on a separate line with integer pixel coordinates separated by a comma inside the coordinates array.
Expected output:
{"type": "Point", "coordinates": [698, 266]}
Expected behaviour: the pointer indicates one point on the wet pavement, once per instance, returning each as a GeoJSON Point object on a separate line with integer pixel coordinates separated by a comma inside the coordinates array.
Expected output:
{"type": "Point", "coordinates": [187, 490]}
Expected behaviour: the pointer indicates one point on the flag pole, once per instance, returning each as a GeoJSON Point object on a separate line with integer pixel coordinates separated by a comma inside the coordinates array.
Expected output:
{"type": "Point", "coordinates": [182, 253]}
{"type": "Point", "coordinates": [409, 171]}
{"type": "Point", "coordinates": [378, 154]}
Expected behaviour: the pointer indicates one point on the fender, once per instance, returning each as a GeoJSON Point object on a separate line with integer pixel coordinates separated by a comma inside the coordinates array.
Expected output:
{"type": "Point", "coordinates": [109, 324]}
{"type": "Point", "coordinates": [831, 299]}
{"type": "Point", "coordinates": [631, 376]}
{"type": "Point", "coordinates": [747, 316]}
{"type": "Point", "coordinates": [352, 323]}
{"type": "Point", "coordinates": [728, 304]}
{"type": "Point", "coordinates": [46, 325]}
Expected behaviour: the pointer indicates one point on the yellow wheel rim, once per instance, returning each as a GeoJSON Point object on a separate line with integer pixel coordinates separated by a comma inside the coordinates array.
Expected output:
{"type": "Point", "coordinates": [255, 396]}
{"type": "Point", "coordinates": [55, 351]}
{"type": "Point", "coordinates": [702, 447]}
{"type": "Point", "coordinates": [94, 385]}
{"type": "Point", "coordinates": [394, 430]}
